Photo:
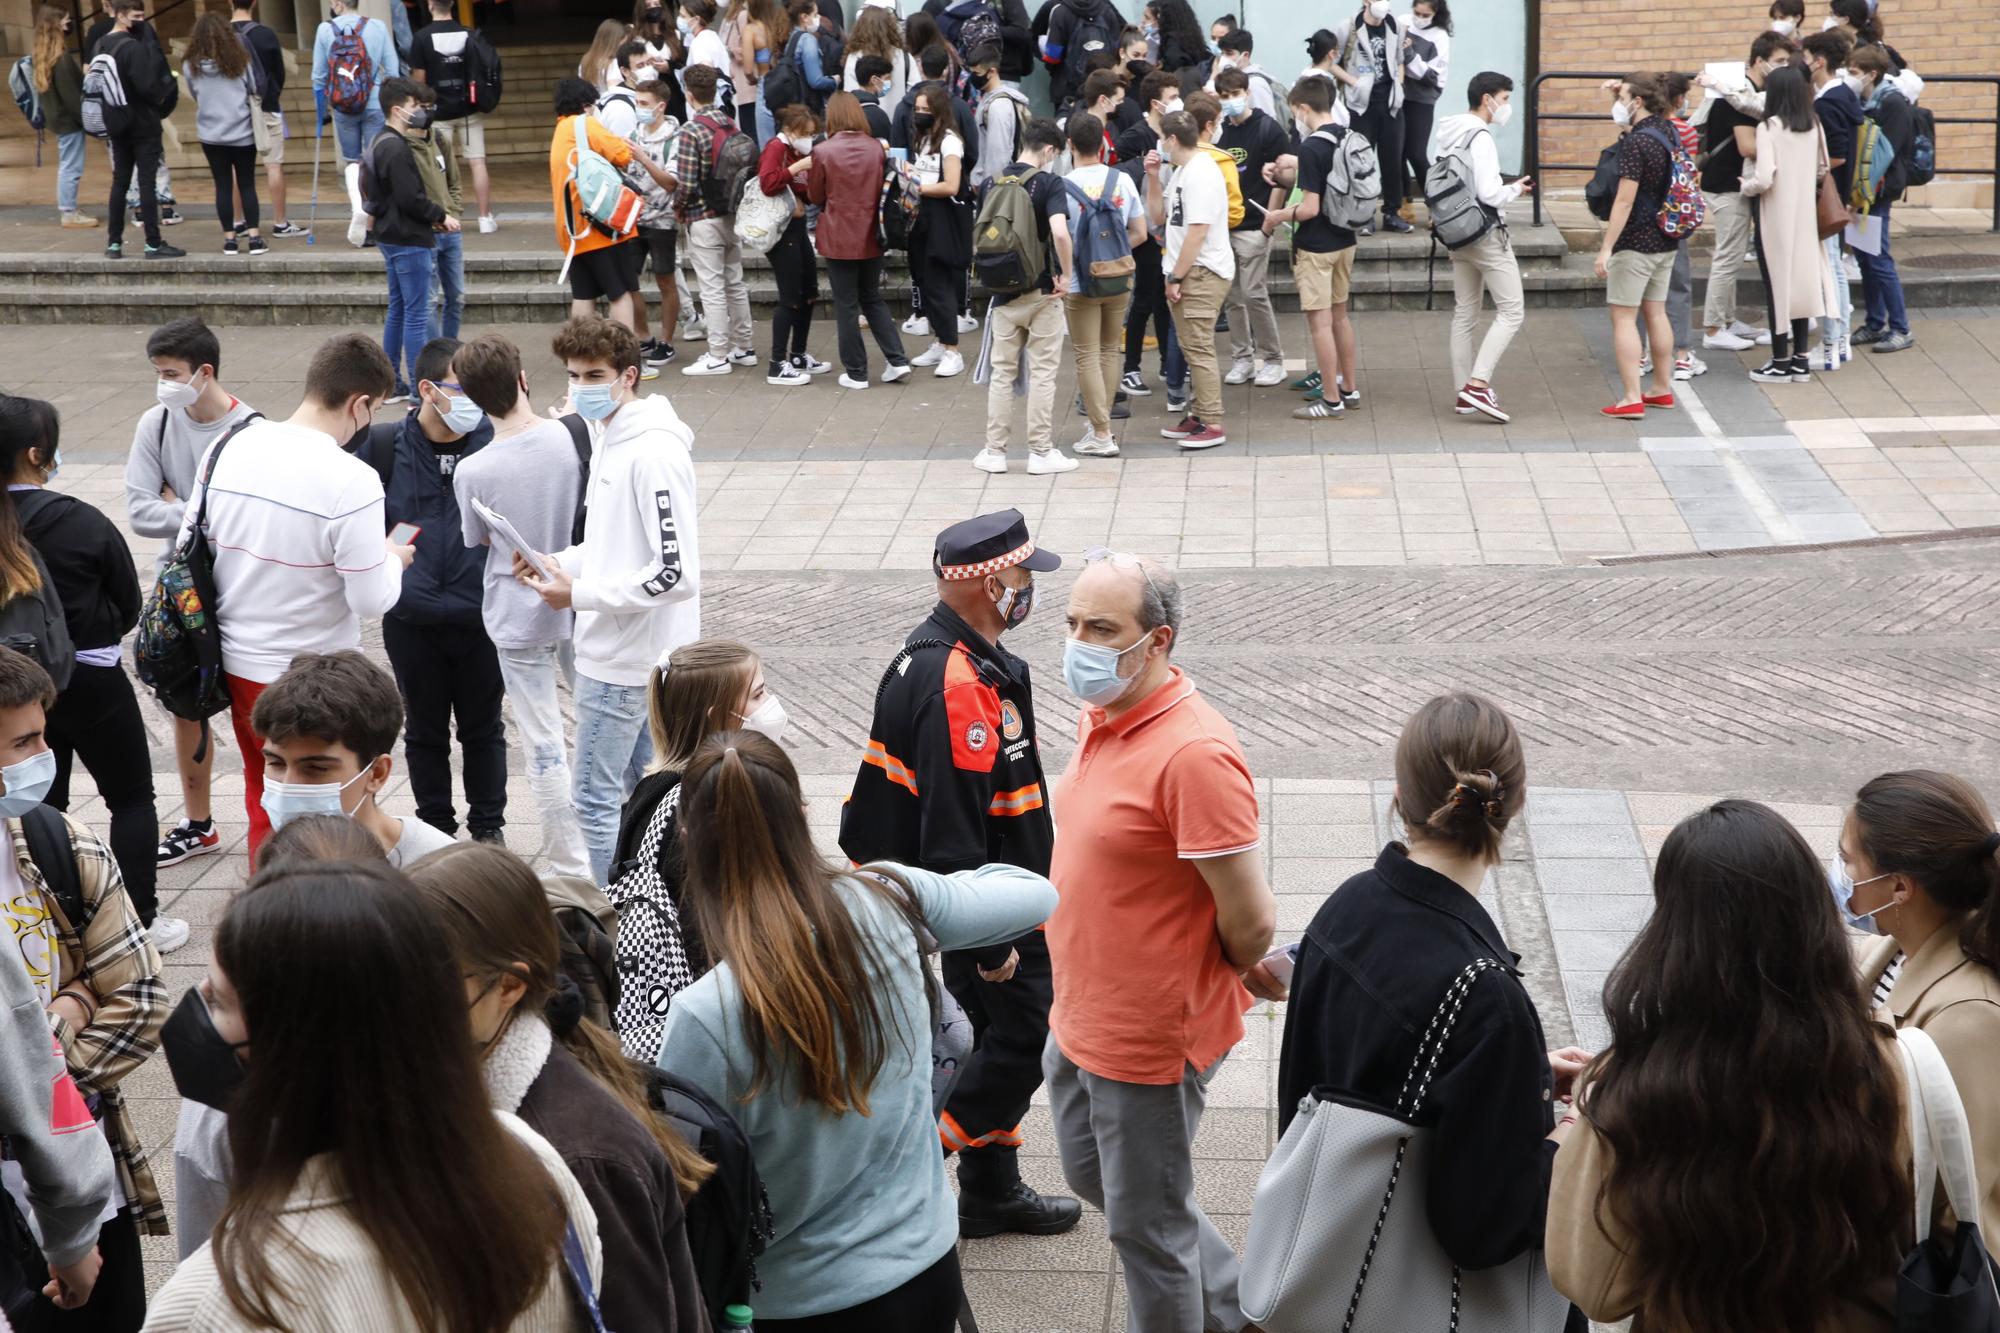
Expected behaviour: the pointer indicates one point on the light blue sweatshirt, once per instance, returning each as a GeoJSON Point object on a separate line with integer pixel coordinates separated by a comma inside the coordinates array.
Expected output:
{"type": "Point", "coordinates": [860, 1202]}
{"type": "Point", "coordinates": [381, 53]}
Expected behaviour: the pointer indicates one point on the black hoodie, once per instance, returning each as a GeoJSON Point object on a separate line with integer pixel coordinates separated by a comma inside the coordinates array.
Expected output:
{"type": "Point", "coordinates": [1076, 29]}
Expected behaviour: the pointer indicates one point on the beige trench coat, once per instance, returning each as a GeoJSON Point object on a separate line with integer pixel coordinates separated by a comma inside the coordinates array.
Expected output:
{"type": "Point", "coordinates": [1784, 180]}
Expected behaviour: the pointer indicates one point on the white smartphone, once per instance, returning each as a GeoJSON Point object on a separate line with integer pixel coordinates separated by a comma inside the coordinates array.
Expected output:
{"type": "Point", "coordinates": [404, 534]}
{"type": "Point", "coordinates": [1281, 960]}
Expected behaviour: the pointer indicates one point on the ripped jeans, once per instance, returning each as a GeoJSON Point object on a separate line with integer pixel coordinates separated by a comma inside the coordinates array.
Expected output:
{"type": "Point", "coordinates": [530, 674]}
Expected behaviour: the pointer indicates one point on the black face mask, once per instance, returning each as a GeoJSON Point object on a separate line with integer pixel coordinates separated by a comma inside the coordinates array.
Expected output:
{"type": "Point", "coordinates": [923, 120]}
{"type": "Point", "coordinates": [204, 1063]}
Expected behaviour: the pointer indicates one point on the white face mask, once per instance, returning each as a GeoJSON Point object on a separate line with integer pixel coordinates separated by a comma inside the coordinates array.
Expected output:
{"type": "Point", "coordinates": [1621, 114]}
{"type": "Point", "coordinates": [1420, 20]}
{"type": "Point", "coordinates": [1857, 82]}
{"type": "Point", "coordinates": [1830, 24]}
{"type": "Point", "coordinates": [1378, 10]}
{"type": "Point", "coordinates": [1168, 108]}
{"type": "Point", "coordinates": [1784, 27]}
{"type": "Point", "coordinates": [768, 718]}
{"type": "Point", "coordinates": [178, 394]}
{"type": "Point", "coordinates": [1502, 113]}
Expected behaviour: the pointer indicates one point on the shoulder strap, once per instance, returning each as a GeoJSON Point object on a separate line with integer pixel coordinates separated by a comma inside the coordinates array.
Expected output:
{"type": "Point", "coordinates": [1940, 1137]}
{"type": "Point", "coordinates": [1438, 1034]}
{"type": "Point", "coordinates": [50, 848]}
{"type": "Point", "coordinates": [29, 503]}
{"type": "Point", "coordinates": [582, 140]}
{"type": "Point", "coordinates": [579, 438]}
{"type": "Point", "coordinates": [214, 457]}
{"type": "Point", "coordinates": [380, 449]}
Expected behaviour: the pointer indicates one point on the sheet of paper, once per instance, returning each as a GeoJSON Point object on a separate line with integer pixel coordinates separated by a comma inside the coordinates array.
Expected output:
{"type": "Point", "coordinates": [505, 536]}
{"type": "Point", "coordinates": [1864, 235]}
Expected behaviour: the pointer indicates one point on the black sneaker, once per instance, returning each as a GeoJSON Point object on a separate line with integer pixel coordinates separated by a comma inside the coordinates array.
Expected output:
{"type": "Point", "coordinates": [1020, 1210]}
{"type": "Point", "coordinates": [255, 245]}
{"type": "Point", "coordinates": [1133, 385]}
{"type": "Point", "coordinates": [185, 841]}
{"type": "Point", "coordinates": [288, 230]}
{"type": "Point", "coordinates": [1392, 222]}
{"type": "Point", "coordinates": [169, 216]}
{"type": "Point", "coordinates": [115, 250]}
{"type": "Point", "coordinates": [165, 251]}
{"type": "Point", "coordinates": [492, 835]}
{"type": "Point", "coordinates": [229, 247]}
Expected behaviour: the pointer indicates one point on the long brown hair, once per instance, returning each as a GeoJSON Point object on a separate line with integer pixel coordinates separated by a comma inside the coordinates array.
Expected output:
{"type": "Point", "coordinates": [361, 1053]}
{"type": "Point", "coordinates": [1751, 1106]}
{"type": "Point", "coordinates": [876, 32]}
{"type": "Point", "coordinates": [25, 424]}
{"type": "Point", "coordinates": [1460, 775]}
{"type": "Point", "coordinates": [496, 916]}
{"type": "Point", "coordinates": [216, 41]}
{"type": "Point", "coordinates": [767, 905]}
{"type": "Point", "coordinates": [50, 43]}
{"type": "Point", "coordinates": [1936, 829]}
{"type": "Point", "coordinates": [694, 694]}
{"type": "Point", "coordinates": [611, 34]}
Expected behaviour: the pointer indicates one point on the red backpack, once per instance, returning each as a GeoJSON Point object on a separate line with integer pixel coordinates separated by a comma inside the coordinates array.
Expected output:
{"type": "Point", "coordinates": [350, 73]}
{"type": "Point", "coordinates": [1682, 207]}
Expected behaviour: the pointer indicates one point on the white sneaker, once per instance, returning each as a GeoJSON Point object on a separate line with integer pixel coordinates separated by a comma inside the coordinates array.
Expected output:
{"type": "Point", "coordinates": [1269, 375]}
{"type": "Point", "coordinates": [1055, 460]}
{"type": "Point", "coordinates": [1850, 267]}
{"type": "Point", "coordinates": [693, 327]}
{"type": "Point", "coordinates": [991, 460]}
{"type": "Point", "coordinates": [1687, 367]}
{"type": "Point", "coordinates": [930, 356]}
{"type": "Point", "coordinates": [1646, 364]}
{"type": "Point", "coordinates": [848, 381]}
{"type": "Point", "coordinates": [952, 364]}
{"type": "Point", "coordinates": [788, 376]}
{"type": "Point", "coordinates": [743, 356]}
{"type": "Point", "coordinates": [915, 324]}
{"type": "Point", "coordinates": [1091, 446]}
{"type": "Point", "coordinates": [1847, 347]}
{"type": "Point", "coordinates": [966, 323]}
{"type": "Point", "coordinates": [1758, 337]}
{"type": "Point", "coordinates": [1239, 372]}
{"type": "Point", "coordinates": [357, 229]}
{"type": "Point", "coordinates": [706, 364]}
{"type": "Point", "coordinates": [1726, 340]}
{"type": "Point", "coordinates": [169, 933]}
{"type": "Point", "coordinates": [1826, 356]}
{"type": "Point", "coordinates": [488, 225]}
{"type": "Point", "coordinates": [890, 374]}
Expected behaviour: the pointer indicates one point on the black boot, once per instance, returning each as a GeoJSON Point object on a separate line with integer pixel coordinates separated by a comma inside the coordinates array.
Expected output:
{"type": "Point", "coordinates": [1018, 1209]}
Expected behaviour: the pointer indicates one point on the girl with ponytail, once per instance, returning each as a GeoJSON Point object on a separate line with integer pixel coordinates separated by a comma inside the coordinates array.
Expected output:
{"type": "Point", "coordinates": [1919, 864]}
{"type": "Point", "coordinates": [815, 1026]}
{"type": "Point", "coordinates": [1381, 955]}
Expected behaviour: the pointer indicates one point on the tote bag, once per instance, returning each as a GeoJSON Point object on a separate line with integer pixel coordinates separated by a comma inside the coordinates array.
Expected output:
{"type": "Point", "coordinates": [1340, 1240]}
{"type": "Point", "coordinates": [1945, 1285]}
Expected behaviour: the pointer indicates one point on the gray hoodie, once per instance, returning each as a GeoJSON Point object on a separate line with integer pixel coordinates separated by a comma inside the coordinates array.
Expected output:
{"type": "Point", "coordinates": [222, 105]}
{"type": "Point", "coordinates": [63, 1154]}
{"type": "Point", "coordinates": [167, 447]}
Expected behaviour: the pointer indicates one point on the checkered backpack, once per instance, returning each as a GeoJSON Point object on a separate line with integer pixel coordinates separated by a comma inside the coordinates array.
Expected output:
{"type": "Point", "coordinates": [1682, 207]}
{"type": "Point", "coordinates": [652, 958]}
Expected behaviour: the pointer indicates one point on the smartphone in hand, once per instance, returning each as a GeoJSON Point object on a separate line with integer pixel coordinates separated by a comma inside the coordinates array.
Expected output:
{"type": "Point", "coordinates": [1281, 960]}
{"type": "Point", "coordinates": [404, 534]}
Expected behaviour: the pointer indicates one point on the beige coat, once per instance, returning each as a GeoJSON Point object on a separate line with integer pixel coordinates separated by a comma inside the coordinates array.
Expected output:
{"type": "Point", "coordinates": [1784, 180]}
{"type": "Point", "coordinates": [1957, 1003]}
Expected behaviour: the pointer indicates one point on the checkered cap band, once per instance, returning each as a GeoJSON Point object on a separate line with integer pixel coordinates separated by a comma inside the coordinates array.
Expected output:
{"type": "Point", "coordinates": [985, 567]}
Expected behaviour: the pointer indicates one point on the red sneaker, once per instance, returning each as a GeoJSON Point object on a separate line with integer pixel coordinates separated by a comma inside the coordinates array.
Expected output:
{"type": "Point", "coordinates": [1481, 398]}
{"type": "Point", "coordinates": [1189, 425]}
{"type": "Point", "coordinates": [1657, 399]}
{"type": "Point", "coordinates": [1207, 437]}
{"type": "Point", "coordinates": [1628, 412]}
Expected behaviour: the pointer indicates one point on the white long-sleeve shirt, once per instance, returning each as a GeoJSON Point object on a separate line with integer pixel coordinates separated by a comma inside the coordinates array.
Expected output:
{"type": "Point", "coordinates": [637, 573]}
{"type": "Point", "coordinates": [295, 523]}
{"type": "Point", "coordinates": [1472, 133]}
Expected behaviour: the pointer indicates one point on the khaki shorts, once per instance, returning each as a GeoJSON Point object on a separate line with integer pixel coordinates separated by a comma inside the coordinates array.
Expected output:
{"type": "Point", "coordinates": [1636, 277]}
{"type": "Point", "coordinates": [1323, 278]}
{"type": "Point", "coordinates": [468, 134]}
{"type": "Point", "coordinates": [274, 126]}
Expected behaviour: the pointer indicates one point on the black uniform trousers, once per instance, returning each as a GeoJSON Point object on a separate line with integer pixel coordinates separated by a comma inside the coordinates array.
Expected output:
{"type": "Point", "coordinates": [1010, 1027]}
{"type": "Point", "coordinates": [96, 719]}
{"type": "Point", "coordinates": [1384, 129]}
{"type": "Point", "coordinates": [442, 671]}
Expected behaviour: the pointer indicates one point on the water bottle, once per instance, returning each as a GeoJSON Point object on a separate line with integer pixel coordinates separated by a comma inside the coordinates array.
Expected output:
{"type": "Point", "coordinates": [735, 1316]}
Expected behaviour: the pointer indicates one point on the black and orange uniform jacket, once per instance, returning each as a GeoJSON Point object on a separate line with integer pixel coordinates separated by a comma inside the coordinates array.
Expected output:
{"type": "Point", "coordinates": [952, 778]}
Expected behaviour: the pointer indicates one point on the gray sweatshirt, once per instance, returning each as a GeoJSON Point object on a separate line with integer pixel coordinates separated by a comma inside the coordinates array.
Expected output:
{"type": "Point", "coordinates": [167, 446]}
{"type": "Point", "coordinates": [63, 1154]}
{"type": "Point", "coordinates": [222, 105]}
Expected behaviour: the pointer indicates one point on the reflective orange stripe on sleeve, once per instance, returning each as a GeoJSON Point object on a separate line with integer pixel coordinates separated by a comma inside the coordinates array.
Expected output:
{"type": "Point", "coordinates": [1017, 802]}
{"type": "Point", "coordinates": [955, 1139]}
{"type": "Point", "coordinates": [892, 768]}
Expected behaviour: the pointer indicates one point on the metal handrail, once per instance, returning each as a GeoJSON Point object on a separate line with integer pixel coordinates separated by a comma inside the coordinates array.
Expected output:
{"type": "Point", "coordinates": [1535, 167]}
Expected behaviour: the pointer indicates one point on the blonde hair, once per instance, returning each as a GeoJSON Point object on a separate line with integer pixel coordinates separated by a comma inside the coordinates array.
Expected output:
{"type": "Point", "coordinates": [697, 692]}
{"type": "Point", "coordinates": [49, 44]}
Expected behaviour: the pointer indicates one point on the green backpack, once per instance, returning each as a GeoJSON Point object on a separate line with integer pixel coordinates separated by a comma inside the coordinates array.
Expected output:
{"type": "Point", "coordinates": [1007, 250]}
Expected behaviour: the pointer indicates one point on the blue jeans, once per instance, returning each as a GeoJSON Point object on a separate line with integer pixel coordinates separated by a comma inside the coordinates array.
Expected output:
{"type": "Point", "coordinates": [613, 747]}
{"type": "Point", "coordinates": [448, 285]}
{"type": "Point", "coordinates": [69, 168]}
{"type": "Point", "coordinates": [356, 132]}
{"type": "Point", "coordinates": [1881, 285]}
{"type": "Point", "coordinates": [409, 268]}
{"type": "Point", "coordinates": [1173, 365]}
{"type": "Point", "coordinates": [1833, 327]}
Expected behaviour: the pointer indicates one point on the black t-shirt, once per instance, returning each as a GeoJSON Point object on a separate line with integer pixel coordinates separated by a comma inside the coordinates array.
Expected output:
{"type": "Point", "coordinates": [423, 51]}
{"type": "Point", "coordinates": [1723, 173]}
{"type": "Point", "coordinates": [270, 54]}
{"type": "Point", "coordinates": [1643, 157]}
{"type": "Point", "coordinates": [1051, 201]}
{"type": "Point", "coordinates": [1317, 234]}
{"type": "Point", "coordinates": [1253, 144]}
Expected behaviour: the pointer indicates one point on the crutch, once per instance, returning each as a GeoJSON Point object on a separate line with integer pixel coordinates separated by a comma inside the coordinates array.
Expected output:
{"type": "Point", "coordinates": [319, 137]}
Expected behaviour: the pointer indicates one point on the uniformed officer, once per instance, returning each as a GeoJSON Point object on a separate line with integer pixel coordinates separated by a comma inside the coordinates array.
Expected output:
{"type": "Point", "coordinates": [952, 779]}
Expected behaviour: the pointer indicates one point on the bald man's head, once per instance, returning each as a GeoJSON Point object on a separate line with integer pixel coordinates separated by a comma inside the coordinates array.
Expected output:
{"type": "Point", "coordinates": [1120, 598]}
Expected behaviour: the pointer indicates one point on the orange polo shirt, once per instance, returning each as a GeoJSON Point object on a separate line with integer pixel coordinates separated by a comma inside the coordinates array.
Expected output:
{"type": "Point", "coordinates": [561, 149]}
{"type": "Point", "coordinates": [1142, 988]}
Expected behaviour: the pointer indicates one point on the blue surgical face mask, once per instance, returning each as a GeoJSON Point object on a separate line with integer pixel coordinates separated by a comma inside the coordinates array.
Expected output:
{"type": "Point", "coordinates": [286, 801]}
{"type": "Point", "coordinates": [594, 402]}
{"type": "Point", "coordinates": [1844, 884]}
{"type": "Point", "coordinates": [1235, 107]}
{"type": "Point", "coordinates": [27, 783]}
{"type": "Point", "coordinates": [463, 415]}
{"type": "Point", "coordinates": [1091, 670]}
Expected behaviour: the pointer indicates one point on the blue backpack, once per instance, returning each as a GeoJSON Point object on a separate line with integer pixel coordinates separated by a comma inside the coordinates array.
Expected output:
{"type": "Point", "coordinates": [1104, 263]}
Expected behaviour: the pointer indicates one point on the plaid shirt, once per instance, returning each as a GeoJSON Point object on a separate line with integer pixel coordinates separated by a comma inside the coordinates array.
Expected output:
{"type": "Point", "coordinates": [694, 162]}
{"type": "Point", "coordinates": [111, 954]}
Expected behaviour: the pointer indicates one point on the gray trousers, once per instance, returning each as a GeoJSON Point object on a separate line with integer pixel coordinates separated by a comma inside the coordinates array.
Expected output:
{"type": "Point", "coordinates": [1128, 1149]}
{"type": "Point", "coordinates": [1253, 323]}
{"type": "Point", "coordinates": [1680, 303]}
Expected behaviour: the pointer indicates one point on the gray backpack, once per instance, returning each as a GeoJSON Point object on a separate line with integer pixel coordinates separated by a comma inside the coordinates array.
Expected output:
{"type": "Point", "coordinates": [1353, 192]}
{"type": "Point", "coordinates": [1457, 217]}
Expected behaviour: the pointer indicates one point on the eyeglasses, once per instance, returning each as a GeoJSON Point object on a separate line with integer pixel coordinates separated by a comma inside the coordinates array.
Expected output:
{"type": "Point", "coordinates": [1123, 560]}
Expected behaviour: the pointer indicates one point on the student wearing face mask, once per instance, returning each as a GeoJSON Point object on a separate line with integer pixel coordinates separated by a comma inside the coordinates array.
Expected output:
{"type": "Point", "coordinates": [1427, 64]}
{"type": "Point", "coordinates": [634, 580]}
{"type": "Point", "coordinates": [1487, 264]}
{"type": "Point", "coordinates": [952, 780]}
{"type": "Point", "coordinates": [1728, 139]}
{"type": "Point", "coordinates": [1254, 141]}
{"type": "Point", "coordinates": [783, 166]}
{"type": "Point", "coordinates": [1374, 54]}
{"type": "Point", "coordinates": [445, 664]}
{"type": "Point", "coordinates": [295, 528]}
{"type": "Point", "coordinates": [1159, 93]}
{"type": "Point", "coordinates": [1887, 325]}
{"type": "Point", "coordinates": [1785, 16]}
{"type": "Point", "coordinates": [1840, 116]}
{"type": "Point", "coordinates": [407, 220]}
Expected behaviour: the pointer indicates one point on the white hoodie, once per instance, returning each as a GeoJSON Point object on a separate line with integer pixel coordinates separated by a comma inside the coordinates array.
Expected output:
{"type": "Point", "coordinates": [637, 570]}
{"type": "Point", "coordinates": [1474, 135]}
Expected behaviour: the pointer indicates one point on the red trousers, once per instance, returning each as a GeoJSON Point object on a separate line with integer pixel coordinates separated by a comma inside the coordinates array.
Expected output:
{"type": "Point", "coordinates": [242, 698]}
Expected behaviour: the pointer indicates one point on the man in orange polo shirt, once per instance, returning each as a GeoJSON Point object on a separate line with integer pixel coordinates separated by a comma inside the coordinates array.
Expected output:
{"type": "Point", "coordinates": [1164, 916]}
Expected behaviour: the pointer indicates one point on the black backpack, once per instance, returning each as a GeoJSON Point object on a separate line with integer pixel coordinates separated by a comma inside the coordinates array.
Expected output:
{"type": "Point", "coordinates": [450, 73]}
{"type": "Point", "coordinates": [729, 1217]}
{"type": "Point", "coordinates": [379, 452]}
{"type": "Point", "coordinates": [786, 84]}
{"type": "Point", "coordinates": [482, 75]}
{"type": "Point", "coordinates": [1602, 191]}
{"type": "Point", "coordinates": [33, 623]}
{"type": "Point", "coordinates": [1089, 36]}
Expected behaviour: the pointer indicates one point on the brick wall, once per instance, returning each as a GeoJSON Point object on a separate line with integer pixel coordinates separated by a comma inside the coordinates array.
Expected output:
{"type": "Point", "coordinates": [1935, 38]}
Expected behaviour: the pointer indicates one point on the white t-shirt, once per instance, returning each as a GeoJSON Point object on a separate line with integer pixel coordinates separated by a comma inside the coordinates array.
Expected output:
{"type": "Point", "coordinates": [708, 48]}
{"type": "Point", "coordinates": [929, 167]}
{"type": "Point", "coordinates": [32, 924]}
{"type": "Point", "coordinates": [1092, 180]}
{"type": "Point", "coordinates": [418, 841]}
{"type": "Point", "coordinates": [1196, 194]}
